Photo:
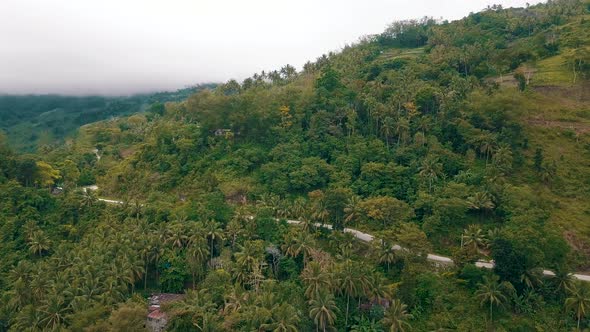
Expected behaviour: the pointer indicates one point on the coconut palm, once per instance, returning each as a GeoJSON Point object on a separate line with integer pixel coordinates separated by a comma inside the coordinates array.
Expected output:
{"type": "Point", "coordinates": [384, 252]}
{"type": "Point", "coordinates": [473, 238]}
{"type": "Point", "coordinates": [486, 142]}
{"type": "Point", "coordinates": [423, 124]}
{"type": "Point", "coordinates": [307, 224]}
{"type": "Point", "coordinates": [319, 211]}
{"type": "Point", "coordinates": [53, 312]}
{"type": "Point", "coordinates": [532, 278]}
{"type": "Point", "coordinates": [249, 256]}
{"type": "Point", "coordinates": [196, 255]}
{"type": "Point", "coordinates": [578, 300]}
{"type": "Point", "coordinates": [388, 128]}
{"type": "Point", "coordinates": [235, 299]}
{"type": "Point", "coordinates": [88, 198]}
{"type": "Point", "coordinates": [502, 158]}
{"type": "Point", "coordinates": [315, 278]}
{"type": "Point", "coordinates": [562, 281]}
{"type": "Point", "coordinates": [299, 243]}
{"type": "Point", "coordinates": [402, 128]}
{"type": "Point", "coordinates": [431, 170]}
{"type": "Point", "coordinates": [396, 317]}
{"type": "Point", "coordinates": [353, 209]}
{"type": "Point", "coordinates": [284, 319]}
{"type": "Point", "coordinates": [490, 293]}
{"type": "Point", "coordinates": [176, 235]}
{"type": "Point", "coordinates": [214, 234]}
{"type": "Point", "coordinates": [481, 202]}
{"type": "Point", "coordinates": [299, 207]}
{"type": "Point", "coordinates": [39, 243]}
{"type": "Point", "coordinates": [348, 283]}
{"type": "Point", "coordinates": [323, 310]}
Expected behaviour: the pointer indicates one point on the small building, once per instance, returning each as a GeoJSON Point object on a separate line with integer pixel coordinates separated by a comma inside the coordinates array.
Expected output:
{"type": "Point", "coordinates": [57, 190]}
{"type": "Point", "coordinates": [156, 318]}
{"type": "Point", "coordinates": [222, 132]}
{"type": "Point", "coordinates": [374, 302]}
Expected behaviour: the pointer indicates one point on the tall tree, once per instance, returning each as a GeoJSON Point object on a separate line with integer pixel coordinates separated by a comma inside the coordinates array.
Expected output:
{"type": "Point", "coordinates": [396, 317]}
{"type": "Point", "coordinates": [323, 310]}
{"type": "Point", "coordinates": [490, 293]}
{"type": "Point", "coordinates": [578, 300]}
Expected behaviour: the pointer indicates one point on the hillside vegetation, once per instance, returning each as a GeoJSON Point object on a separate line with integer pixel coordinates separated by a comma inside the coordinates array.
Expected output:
{"type": "Point", "coordinates": [44, 121]}
{"type": "Point", "coordinates": [468, 138]}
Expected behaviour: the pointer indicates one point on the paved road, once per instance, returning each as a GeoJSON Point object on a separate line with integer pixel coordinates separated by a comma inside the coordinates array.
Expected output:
{"type": "Point", "coordinates": [365, 237]}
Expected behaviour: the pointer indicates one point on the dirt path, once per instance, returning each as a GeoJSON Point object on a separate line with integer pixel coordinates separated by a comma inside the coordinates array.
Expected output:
{"type": "Point", "coordinates": [580, 128]}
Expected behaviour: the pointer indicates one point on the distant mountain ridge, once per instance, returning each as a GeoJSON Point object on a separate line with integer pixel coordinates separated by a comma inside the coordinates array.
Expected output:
{"type": "Point", "coordinates": [32, 121]}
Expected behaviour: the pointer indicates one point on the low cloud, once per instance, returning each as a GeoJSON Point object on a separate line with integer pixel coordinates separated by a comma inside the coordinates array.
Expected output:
{"type": "Point", "coordinates": [120, 47]}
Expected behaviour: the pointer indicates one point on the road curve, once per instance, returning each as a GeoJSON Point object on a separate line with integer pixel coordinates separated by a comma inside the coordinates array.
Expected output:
{"type": "Point", "coordinates": [365, 237]}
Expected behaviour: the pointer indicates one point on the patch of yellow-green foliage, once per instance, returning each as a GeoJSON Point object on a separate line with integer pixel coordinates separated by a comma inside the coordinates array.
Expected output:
{"type": "Point", "coordinates": [396, 53]}
{"type": "Point", "coordinates": [552, 71]}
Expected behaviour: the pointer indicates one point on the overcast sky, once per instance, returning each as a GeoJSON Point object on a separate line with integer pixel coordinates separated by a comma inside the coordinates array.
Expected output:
{"type": "Point", "coordinates": [128, 46]}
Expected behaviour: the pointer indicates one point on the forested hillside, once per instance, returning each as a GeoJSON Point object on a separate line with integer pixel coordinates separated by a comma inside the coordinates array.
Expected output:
{"type": "Point", "coordinates": [470, 139]}
{"type": "Point", "coordinates": [43, 121]}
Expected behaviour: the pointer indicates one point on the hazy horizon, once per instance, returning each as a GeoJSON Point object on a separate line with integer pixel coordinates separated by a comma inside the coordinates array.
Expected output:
{"type": "Point", "coordinates": [115, 48]}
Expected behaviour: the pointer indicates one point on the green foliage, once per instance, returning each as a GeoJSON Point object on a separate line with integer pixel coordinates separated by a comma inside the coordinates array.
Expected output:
{"type": "Point", "coordinates": [418, 135]}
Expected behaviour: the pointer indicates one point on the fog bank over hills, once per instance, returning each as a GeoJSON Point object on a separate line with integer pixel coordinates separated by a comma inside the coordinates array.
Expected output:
{"type": "Point", "coordinates": [113, 48]}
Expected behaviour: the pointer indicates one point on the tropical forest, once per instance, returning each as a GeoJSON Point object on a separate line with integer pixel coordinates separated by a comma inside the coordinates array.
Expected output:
{"type": "Point", "coordinates": [432, 177]}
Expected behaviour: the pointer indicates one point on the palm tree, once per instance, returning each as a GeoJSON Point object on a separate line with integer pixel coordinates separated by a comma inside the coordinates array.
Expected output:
{"type": "Point", "coordinates": [323, 310]}
{"type": "Point", "coordinates": [39, 243]}
{"type": "Point", "coordinates": [486, 142]}
{"type": "Point", "coordinates": [299, 207]}
{"type": "Point", "coordinates": [233, 231]}
{"type": "Point", "coordinates": [176, 235]}
{"type": "Point", "coordinates": [563, 280]}
{"type": "Point", "coordinates": [235, 299]}
{"type": "Point", "coordinates": [502, 159]}
{"type": "Point", "coordinates": [271, 202]}
{"type": "Point", "coordinates": [146, 254]}
{"type": "Point", "coordinates": [402, 128]}
{"type": "Point", "coordinates": [481, 202]}
{"type": "Point", "coordinates": [490, 292]}
{"type": "Point", "coordinates": [348, 280]}
{"type": "Point", "coordinates": [319, 211]}
{"type": "Point", "coordinates": [384, 252]}
{"type": "Point", "coordinates": [378, 288]}
{"type": "Point", "coordinates": [196, 254]}
{"type": "Point", "coordinates": [532, 277]}
{"type": "Point", "coordinates": [29, 228]}
{"type": "Point", "coordinates": [388, 128]}
{"type": "Point", "coordinates": [214, 233]}
{"type": "Point", "coordinates": [307, 225]}
{"type": "Point", "coordinates": [284, 319]}
{"type": "Point", "coordinates": [423, 125]}
{"type": "Point", "coordinates": [578, 300]}
{"type": "Point", "coordinates": [300, 243]}
{"type": "Point", "coordinates": [396, 317]}
{"type": "Point", "coordinates": [88, 198]}
{"type": "Point", "coordinates": [315, 278]}
{"type": "Point", "coordinates": [249, 256]}
{"type": "Point", "coordinates": [473, 238]}
{"type": "Point", "coordinates": [353, 210]}
{"type": "Point", "coordinates": [431, 169]}
{"type": "Point", "coordinates": [53, 312]}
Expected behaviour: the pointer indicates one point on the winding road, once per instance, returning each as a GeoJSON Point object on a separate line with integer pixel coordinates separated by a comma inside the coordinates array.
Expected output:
{"type": "Point", "coordinates": [365, 237]}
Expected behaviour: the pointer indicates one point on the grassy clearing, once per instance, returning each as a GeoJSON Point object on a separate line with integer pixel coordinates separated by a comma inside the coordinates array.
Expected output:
{"type": "Point", "coordinates": [397, 53]}
{"type": "Point", "coordinates": [552, 71]}
{"type": "Point", "coordinates": [569, 148]}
